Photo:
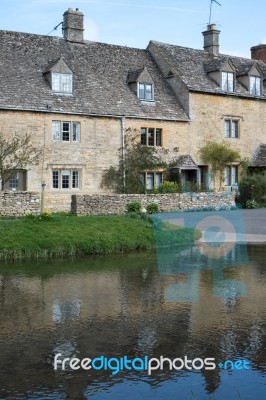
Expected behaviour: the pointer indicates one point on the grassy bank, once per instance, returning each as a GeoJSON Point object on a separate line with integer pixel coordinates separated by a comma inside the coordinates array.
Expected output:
{"type": "Point", "coordinates": [62, 235]}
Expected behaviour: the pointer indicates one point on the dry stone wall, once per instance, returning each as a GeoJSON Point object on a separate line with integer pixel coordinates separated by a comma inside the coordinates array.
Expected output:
{"type": "Point", "coordinates": [17, 204]}
{"type": "Point", "coordinates": [117, 203]}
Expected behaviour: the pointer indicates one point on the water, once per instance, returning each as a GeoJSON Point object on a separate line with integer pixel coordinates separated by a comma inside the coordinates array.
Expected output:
{"type": "Point", "coordinates": [133, 306]}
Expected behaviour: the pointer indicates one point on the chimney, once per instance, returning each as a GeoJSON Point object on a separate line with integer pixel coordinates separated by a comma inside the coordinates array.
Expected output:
{"type": "Point", "coordinates": [73, 25]}
{"type": "Point", "coordinates": [211, 40]}
{"type": "Point", "coordinates": [259, 52]}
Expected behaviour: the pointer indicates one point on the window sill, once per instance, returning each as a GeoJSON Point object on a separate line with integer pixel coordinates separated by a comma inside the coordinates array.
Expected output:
{"type": "Point", "coordinates": [148, 102]}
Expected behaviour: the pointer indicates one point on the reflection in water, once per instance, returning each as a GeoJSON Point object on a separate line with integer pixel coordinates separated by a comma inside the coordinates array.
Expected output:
{"type": "Point", "coordinates": [133, 306]}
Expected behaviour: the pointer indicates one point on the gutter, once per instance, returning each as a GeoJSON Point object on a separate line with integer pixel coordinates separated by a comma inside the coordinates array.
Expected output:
{"type": "Point", "coordinates": [94, 114]}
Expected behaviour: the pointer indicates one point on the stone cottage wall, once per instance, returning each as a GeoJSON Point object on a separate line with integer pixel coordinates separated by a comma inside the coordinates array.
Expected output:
{"type": "Point", "coordinates": [117, 203]}
{"type": "Point", "coordinates": [17, 204]}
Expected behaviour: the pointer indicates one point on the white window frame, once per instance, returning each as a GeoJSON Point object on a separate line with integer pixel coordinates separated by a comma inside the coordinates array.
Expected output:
{"type": "Point", "coordinates": [148, 95]}
{"type": "Point", "coordinates": [59, 131]}
{"type": "Point", "coordinates": [60, 180]}
{"type": "Point", "coordinates": [255, 85]}
{"type": "Point", "coordinates": [227, 81]}
{"type": "Point", "coordinates": [231, 128]}
{"type": "Point", "coordinates": [62, 83]}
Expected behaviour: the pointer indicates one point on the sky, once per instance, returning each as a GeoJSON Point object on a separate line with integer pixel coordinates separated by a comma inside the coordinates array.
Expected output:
{"type": "Point", "coordinates": [134, 23]}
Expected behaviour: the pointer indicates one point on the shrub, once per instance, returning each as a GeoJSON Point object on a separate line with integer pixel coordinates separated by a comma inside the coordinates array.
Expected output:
{"type": "Point", "coordinates": [168, 187]}
{"type": "Point", "coordinates": [251, 187]}
{"type": "Point", "coordinates": [252, 204]}
{"type": "Point", "coordinates": [152, 208]}
{"type": "Point", "coordinates": [135, 207]}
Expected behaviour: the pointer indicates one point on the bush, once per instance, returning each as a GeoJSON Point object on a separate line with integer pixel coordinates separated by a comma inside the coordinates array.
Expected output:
{"type": "Point", "coordinates": [252, 204]}
{"type": "Point", "coordinates": [134, 207]}
{"type": "Point", "coordinates": [168, 187]}
{"type": "Point", "coordinates": [152, 208]}
{"type": "Point", "coordinates": [251, 187]}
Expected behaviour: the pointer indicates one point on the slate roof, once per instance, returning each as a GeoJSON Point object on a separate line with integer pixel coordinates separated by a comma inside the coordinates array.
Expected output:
{"type": "Point", "coordinates": [99, 80]}
{"type": "Point", "coordinates": [259, 159]}
{"type": "Point", "coordinates": [192, 66]}
{"type": "Point", "coordinates": [185, 162]}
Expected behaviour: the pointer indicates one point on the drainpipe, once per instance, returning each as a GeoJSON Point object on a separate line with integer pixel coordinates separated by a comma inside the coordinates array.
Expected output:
{"type": "Point", "coordinates": [123, 119]}
{"type": "Point", "coordinates": [42, 198]}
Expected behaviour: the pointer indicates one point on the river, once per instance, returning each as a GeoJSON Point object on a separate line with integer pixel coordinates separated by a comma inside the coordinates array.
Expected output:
{"type": "Point", "coordinates": [150, 305]}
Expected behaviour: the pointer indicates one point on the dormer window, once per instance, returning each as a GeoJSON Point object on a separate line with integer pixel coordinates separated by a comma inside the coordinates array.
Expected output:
{"type": "Point", "coordinates": [145, 91]}
{"type": "Point", "coordinates": [227, 81]}
{"type": "Point", "coordinates": [255, 85]}
{"type": "Point", "coordinates": [142, 84]}
{"type": "Point", "coordinates": [60, 77]}
{"type": "Point", "coordinates": [62, 83]}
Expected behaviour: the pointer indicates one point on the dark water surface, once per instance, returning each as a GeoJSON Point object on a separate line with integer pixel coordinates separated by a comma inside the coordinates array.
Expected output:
{"type": "Point", "coordinates": [132, 306]}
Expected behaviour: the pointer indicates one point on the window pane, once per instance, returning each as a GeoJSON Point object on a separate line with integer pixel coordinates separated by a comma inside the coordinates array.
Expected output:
{"type": "Point", "coordinates": [142, 177]}
{"type": "Point", "coordinates": [66, 131]}
{"type": "Point", "coordinates": [158, 179]}
{"type": "Point", "coordinates": [230, 85]}
{"type": "Point", "coordinates": [227, 128]}
{"type": "Point", "coordinates": [62, 83]}
{"type": "Point", "coordinates": [234, 129]}
{"type": "Point", "coordinates": [65, 179]}
{"type": "Point", "coordinates": [143, 136]}
{"type": "Point", "coordinates": [158, 137]}
{"type": "Point", "coordinates": [13, 182]}
{"type": "Point", "coordinates": [66, 83]}
{"type": "Point", "coordinates": [224, 81]}
{"type": "Point", "coordinates": [56, 130]}
{"type": "Point", "coordinates": [255, 85]}
{"type": "Point", "coordinates": [258, 85]}
{"type": "Point", "coordinates": [151, 137]}
{"type": "Point", "coordinates": [75, 179]}
{"type": "Point", "coordinates": [150, 181]}
{"type": "Point", "coordinates": [227, 176]}
{"type": "Point", "coordinates": [141, 91]}
{"type": "Point", "coordinates": [56, 82]}
{"type": "Point", "coordinates": [234, 175]}
{"type": "Point", "coordinates": [55, 179]}
{"type": "Point", "coordinates": [148, 92]}
{"type": "Point", "coordinates": [76, 132]}
{"type": "Point", "coordinates": [228, 81]}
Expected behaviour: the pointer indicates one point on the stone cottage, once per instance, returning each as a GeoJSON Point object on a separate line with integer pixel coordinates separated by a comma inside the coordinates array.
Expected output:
{"type": "Point", "coordinates": [77, 98]}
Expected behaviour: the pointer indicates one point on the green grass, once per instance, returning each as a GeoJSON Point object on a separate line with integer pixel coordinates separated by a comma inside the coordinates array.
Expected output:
{"type": "Point", "coordinates": [63, 235]}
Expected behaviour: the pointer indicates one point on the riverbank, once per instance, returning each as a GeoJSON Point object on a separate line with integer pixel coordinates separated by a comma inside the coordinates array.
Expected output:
{"type": "Point", "coordinates": [63, 235]}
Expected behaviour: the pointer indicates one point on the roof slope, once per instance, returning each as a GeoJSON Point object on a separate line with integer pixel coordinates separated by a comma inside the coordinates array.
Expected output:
{"type": "Point", "coordinates": [259, 159]}
{"type": "Point", "coordinates": [192, 66]}
{"type": "Point", "coordinates": [100, 78]}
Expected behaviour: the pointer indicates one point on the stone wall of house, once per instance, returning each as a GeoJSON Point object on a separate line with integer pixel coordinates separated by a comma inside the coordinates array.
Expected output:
{"type": "Point", "coordinates": [17, 204]}
{"type": "Point", "coordinates": [117, 203]}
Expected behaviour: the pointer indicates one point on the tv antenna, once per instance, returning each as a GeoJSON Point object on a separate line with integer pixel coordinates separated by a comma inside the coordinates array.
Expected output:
{"type": "Point", "coordinates": [211, 9]}
{"type": "Point", "coordinates": [55, 28]}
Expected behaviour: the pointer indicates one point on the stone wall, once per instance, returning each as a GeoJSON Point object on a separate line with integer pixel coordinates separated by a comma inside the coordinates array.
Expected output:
{"type": "Point", "coordinates": [19, 203]}
{"type": "Point", "coordinates": [117, 203]}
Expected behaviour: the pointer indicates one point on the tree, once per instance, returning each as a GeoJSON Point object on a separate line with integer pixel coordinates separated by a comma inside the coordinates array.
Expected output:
{"type": "Point", "coordinates": [135, 158]}
{"type": "Point", "coordinates": [218, 155]}
{"type": "Point", "coordinates": [15, 154]}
